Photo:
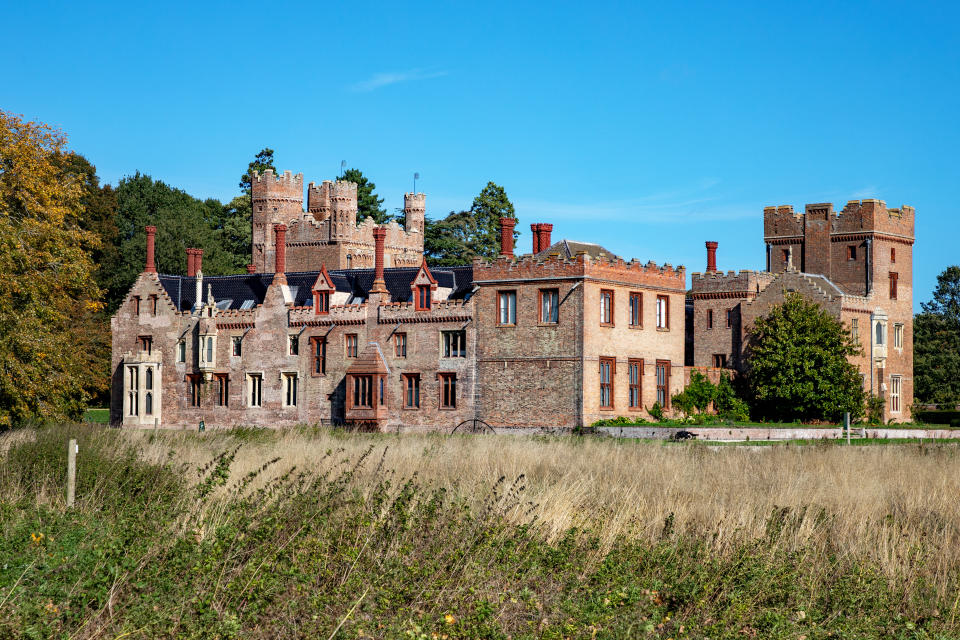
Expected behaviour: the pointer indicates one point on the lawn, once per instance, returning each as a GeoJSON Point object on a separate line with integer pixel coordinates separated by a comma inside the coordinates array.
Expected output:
{"type": "Point", "coordinates": [256, 533]}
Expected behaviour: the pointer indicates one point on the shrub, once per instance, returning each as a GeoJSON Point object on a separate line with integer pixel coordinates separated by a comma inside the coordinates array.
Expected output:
{"type": "Point", "coordinates": [656, 411]}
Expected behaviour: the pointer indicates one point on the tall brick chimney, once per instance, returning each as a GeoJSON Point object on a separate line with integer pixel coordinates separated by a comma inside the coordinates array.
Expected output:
{"type": "Point", "coordinates": [711, 255]}
{"type": "Point", "coordinates": [280, 254]}
{"type": "Point", "coordinates": [191, 263]}
{"type": "Point", "coordinates": [545, 230]}
{"type": "Point", "coordinates": [150, 266]}
{"type": "Point", "coordinates": [535, 232]}
{"type": "Point", "coordinates": [198, 261]}
{"type": "Point", "coordinates": [506, 236]}
{"type": "Point", "coordinates": [379, 237]}
{"type": "Point", "coordinates": [198, 272]}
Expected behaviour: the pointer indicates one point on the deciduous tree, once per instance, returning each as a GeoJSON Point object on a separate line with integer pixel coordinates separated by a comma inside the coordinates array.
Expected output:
{"type": "Point", "coordinates": [936, 343]}
{"type": "Point", "coordinates": [47, 285]}
{"type": "Point", "coordinates": [797, 366]}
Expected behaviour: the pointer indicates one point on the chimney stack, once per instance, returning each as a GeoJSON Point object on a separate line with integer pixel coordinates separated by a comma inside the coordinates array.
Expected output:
{"type": "Point", "coordinates": [198, 272]}
{"type": "Point", "coordinates": [150, 266]}
{"type": "Point", "coordinates": [506, 236]}
{"type": "Point", "coordinates": [191, 263]}
{"type": "Point", "coordinates": [535, 231]}
{"type": "Point", "coordinates": [711, 255]}
{"type": "Point", "coordinates": [251, 268]}
{"type": "Point", "coordinates": [280, 231]}
{"type": "Point", "coordinates": [545, 230]}
{"type": "Point", "coordinates": [379, 237]}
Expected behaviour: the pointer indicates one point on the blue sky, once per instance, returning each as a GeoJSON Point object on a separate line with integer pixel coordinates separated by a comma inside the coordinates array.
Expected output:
{"type": "Point", "coordinates": [646, 128]}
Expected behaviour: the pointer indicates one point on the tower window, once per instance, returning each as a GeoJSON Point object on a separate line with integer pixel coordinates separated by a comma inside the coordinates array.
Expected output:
{"type": "Point", "coordinates": [400, 345]}
{"type": "Point", "coordinates": [237, 346]}
{"type": "Point", "coordinates": [893, 284]}
{"type": "Point", "coordinates": [294, 348]}
{"type": "Point", "coordinates": [851, 252]}
{"type": "Point", "coordinates": [709, 318]}
{"type": "Point", "coordinates": [893, 254]}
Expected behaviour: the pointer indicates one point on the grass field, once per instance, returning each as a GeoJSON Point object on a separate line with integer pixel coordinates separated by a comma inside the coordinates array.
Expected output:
{"type": "Point", "coordinates": [317, 534]}
{"type": "Point", "coordinates": [98, 416]}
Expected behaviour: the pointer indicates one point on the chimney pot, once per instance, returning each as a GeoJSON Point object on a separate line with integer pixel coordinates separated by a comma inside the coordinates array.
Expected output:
{"type": "Point", "coordinates": [711, 255]}
{"type": "Point", "coordinates": [251, 268]}
{"type": "Point", "coordinates": [506, 236]}
{"type": "Point", "coordinates": [198, 260]}
{"type": "Point", "coordinates": [150, 266]}
{"type": "Point", "coordinates": [191, 263]}
{"type": "Point", "coordinates": [535, 231]}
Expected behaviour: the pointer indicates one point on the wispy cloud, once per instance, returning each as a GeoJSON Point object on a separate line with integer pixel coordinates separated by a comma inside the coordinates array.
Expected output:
{"type": "Point", "coordinates": [681, 206]}
{"type": "Point", "coordinates": [378, 80]}
{"type": "Point", "coordinates": [866, 192]}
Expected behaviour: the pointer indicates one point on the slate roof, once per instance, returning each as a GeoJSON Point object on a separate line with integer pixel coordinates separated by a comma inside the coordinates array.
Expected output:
{"type": "Point", "coordinates": [245, 287]}
{"type": "Point", "coordinates": [570, 249]}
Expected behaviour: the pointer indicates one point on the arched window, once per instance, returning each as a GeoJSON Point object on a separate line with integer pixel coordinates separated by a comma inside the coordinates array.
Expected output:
{"type": "Point", "coordinates": [149, 379]}
{"type": "Point", "coordinates": [148, 403]}
{"type": "Point", "coordinates": [879, 333]}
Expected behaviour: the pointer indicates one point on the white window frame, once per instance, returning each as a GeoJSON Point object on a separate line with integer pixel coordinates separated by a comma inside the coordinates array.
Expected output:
{"type": "Point", "coordinates": [251, 376]}
{"type": "Point", "coordinates": [291, 388]}
{"type": "Point", "coordinates": [663, 312]}
{"type": "Point", "coordinates": [896, 390]}
{"type": "Point", "coordinates": [898, 335]}
{"type": "Point", "coordinates": [507, 308]}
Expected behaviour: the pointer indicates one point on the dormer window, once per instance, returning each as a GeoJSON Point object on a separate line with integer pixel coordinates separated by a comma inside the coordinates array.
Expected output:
{"type": "Point", "coordinates": [422, 302]}
{"type": "Point", "coordinates": [321, 302]}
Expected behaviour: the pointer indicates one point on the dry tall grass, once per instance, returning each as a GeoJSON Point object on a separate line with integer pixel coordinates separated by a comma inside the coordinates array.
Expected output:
{"type": "Point", "coordinates": [894, 505]}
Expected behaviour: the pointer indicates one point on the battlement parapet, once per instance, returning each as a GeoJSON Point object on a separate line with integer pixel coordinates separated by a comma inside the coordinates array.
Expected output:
{"type": "Point", "coordinates": [858, 216]}
{"type": "Point", "coordinates": [443, 311]}
{"type": "Point", "coordinates": [582, 265]}
{"type": "Point", "coordinates": [270, 181]}
{"type": "Point", "coordinates": [414, 201]}
{"type": "Point", "coordinates": [338, 314]}
{"type": "Point", "coordinates": [745, 281]}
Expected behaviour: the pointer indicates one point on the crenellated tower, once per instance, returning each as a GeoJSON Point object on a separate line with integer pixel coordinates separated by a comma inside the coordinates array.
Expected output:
{"type": "Point", "coordinates": [414, 211]}
{"type": "Point", "coordinates": [343, 210]}
{"type": "Point", "coordinates": [274, 200]}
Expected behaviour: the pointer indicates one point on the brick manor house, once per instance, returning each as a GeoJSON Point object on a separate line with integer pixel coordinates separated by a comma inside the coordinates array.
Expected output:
{"type": "Point", "coordinates": [341, 322]}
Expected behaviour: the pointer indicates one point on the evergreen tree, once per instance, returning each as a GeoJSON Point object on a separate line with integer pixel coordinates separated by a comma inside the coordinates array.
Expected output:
{"type": "Point", "coordinates": [369, 205]}
{"type": "Point", "coordinates": [488, 207]}
{"type": "Point", "coordinates": [182, 221]}
{"type": "Point", "coordinates": [936, 343]}
{"type": "Point", "coordinates": [465, 235]}
{"type": "Point", "coordinates": [261, 162]}
{"type": "Point", "coordinates": [797, 366]}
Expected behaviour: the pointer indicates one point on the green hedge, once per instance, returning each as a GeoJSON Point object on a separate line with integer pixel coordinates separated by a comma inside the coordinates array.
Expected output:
{"type": "Point", "coordinates": [951, 418]}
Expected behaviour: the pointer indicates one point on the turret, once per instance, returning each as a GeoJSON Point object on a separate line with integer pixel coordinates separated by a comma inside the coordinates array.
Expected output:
{"type": "Point", "coordinates": [343, 209]}
{"type": "Point", "coordinates": [318, 199]}
{"type": "Point", "coordinates": [414, 211]}
{"type": "Point", "coordinates": [275, 199]}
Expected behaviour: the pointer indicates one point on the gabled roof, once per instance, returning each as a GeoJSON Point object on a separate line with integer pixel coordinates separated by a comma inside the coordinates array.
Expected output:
{"type": "Point", "coordinates": [370, 360]}
{"type": "Point", "coordinates": [241, 289]}
{"type": "Point", "coordinates": [570, 249]}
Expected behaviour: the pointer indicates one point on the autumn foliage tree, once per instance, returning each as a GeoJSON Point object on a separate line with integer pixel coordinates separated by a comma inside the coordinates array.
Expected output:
{"type": "Point", "coordinates": [47, 285]}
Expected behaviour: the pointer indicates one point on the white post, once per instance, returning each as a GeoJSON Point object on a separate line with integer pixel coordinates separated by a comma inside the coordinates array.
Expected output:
{"type": "Point", "coordinates": [846, 425]}
{"type": "Point", "coordinates": [72, 450]}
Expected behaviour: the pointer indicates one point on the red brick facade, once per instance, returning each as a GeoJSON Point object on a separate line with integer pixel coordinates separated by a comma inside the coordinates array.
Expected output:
{"type": "Point", "coordinates": [857, 264]}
